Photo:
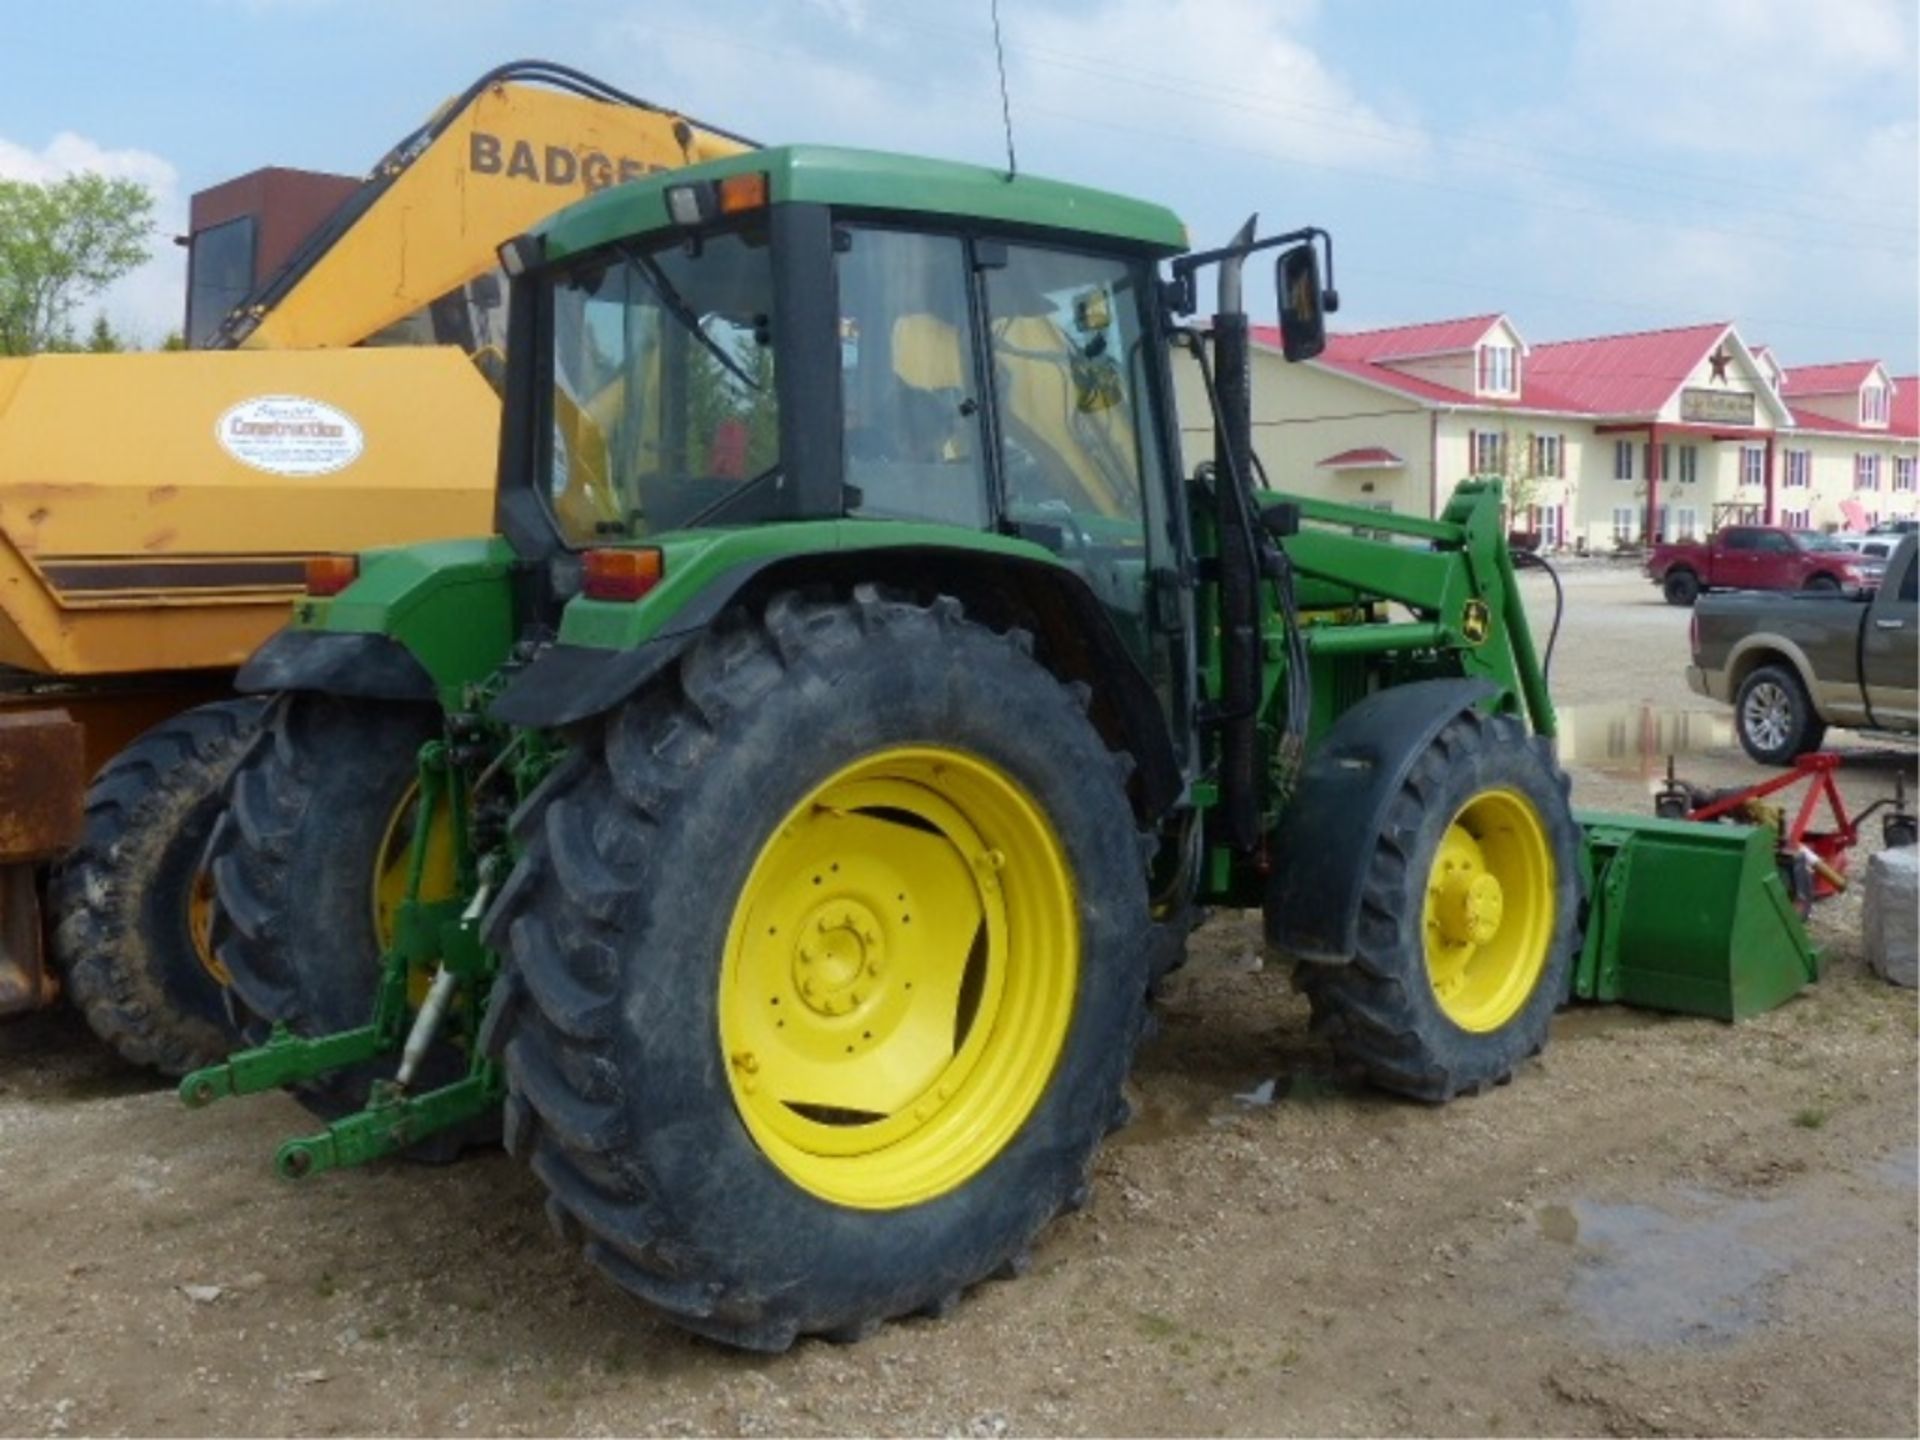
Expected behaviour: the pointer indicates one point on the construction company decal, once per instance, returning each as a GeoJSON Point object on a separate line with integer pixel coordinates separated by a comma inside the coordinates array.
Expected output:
{"type": "Point", "coordinates": [290, 435]}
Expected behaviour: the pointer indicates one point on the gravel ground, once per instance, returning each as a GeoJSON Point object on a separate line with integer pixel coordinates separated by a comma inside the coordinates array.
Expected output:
{"type": "Point", "coordinates": [1666, 1225]}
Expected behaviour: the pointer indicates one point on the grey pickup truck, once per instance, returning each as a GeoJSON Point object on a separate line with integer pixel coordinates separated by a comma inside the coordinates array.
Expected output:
{"type": "Point", "coordinates": [1793, 664]}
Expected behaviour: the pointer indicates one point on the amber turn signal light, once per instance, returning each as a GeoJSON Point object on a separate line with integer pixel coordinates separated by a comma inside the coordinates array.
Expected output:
{"type": "Point", "coordinates": [330, 574]}
{"type": "Point", "coordinates": [743, 192]}
{"type": "Point", "coordinates": [621, 574]}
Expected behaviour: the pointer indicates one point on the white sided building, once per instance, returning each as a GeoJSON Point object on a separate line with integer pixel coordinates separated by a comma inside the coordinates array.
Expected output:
{"type": "Point", "coordinates": [1603, 442]}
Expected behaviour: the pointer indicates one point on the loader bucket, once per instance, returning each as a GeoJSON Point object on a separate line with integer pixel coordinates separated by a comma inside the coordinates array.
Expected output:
{"type": "Point", "coordinates": [1690, 917]}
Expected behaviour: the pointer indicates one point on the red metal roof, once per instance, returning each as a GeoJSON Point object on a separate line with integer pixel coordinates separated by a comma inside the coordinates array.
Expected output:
{"type": "Point", "coordinates": [1616, 374]}
{"type": "Point", "coordinates": [1367, 457]}
{"type": "Point", "coordinates": [1606, 375]}
{"type": "Point", "coordinates": [1812, 420]}
{"type": "Point", "coordinates": [1841, 377]}
{"type": "Point", "coordinates": [1404, 342]}
{"type": "Point", "coordinates": [1905, 419]}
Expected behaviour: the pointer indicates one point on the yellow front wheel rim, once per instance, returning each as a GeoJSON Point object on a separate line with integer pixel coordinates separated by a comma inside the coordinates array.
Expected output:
{"type": "Point", "coordinates": [899, 977]}
{"type": "Point", "coordinates": [1489, 910]}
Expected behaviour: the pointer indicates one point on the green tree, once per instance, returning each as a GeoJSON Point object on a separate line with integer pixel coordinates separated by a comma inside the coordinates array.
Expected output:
{"type": "Point", "coordinates": [61, 244]}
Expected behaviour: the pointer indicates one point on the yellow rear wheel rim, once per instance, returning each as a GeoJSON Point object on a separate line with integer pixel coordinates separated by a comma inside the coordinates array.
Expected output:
{"type": "Point", "coordinates": [1489, 910]}
{"type": "Point", "coordinates": [439, 877]}
{"type": "Point", "coordinates": [200, 924]}
{"type": "Point", "coordinates": [899, 977]}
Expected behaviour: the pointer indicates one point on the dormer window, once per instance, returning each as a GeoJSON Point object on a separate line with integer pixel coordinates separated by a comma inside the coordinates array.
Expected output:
{"type": "Point", "coordinates": [1499, 370]}
{"type": "Point", "coordinates": [1874, 405]}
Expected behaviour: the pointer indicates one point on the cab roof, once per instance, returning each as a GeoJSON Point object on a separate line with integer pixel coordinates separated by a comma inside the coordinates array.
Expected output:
{"type": "Point", "coordinates": [874, 180]}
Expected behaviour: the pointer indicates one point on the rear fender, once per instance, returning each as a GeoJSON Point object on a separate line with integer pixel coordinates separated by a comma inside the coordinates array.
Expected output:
{"type": "Point", "coordinates": [999, 584]}
{"type": "Point", "coordinates": [423, 622]}
{"type": "Point", "coordinates": [1326, 836]}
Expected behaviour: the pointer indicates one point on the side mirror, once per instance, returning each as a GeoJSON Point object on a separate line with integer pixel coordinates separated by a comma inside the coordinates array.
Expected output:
{"type": "Point", "coordinates": [1303, 303]}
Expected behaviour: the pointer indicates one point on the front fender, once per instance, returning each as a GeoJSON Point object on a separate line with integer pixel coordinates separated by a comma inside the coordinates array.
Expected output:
{"type": "Point", "coordinates": [1326, 836]}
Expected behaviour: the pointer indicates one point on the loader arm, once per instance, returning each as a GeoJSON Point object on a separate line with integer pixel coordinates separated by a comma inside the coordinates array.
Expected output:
{"type": "Point", "coordinates": [391, 265]}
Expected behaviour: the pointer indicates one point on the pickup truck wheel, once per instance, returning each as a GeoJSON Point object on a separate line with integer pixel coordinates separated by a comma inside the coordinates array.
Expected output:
{"type": "Point", "coordinates": [1774, 716]}
{"type": "Point", "coordinates": [1681, 587]}
{"type": "Point", "coordinates": [1822, 585]}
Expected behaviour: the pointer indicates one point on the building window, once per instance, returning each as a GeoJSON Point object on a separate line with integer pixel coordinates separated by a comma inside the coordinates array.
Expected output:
{"type": "Point", "coordinates": [1623, 459]}
{"type": "Point", "coordinates": [1497, 370]}
{"type": "Point", "coordinates": [1553, 526]}
{"type": "Point", "coordinates": [1797, 519]}
{"type": "Point", "coordinates": [1903, 466]}
{"type": "Point", "coordinates": [1626, 524]}
{"type": "Point", "coordinates": [1487, 451]}
{"type": "Point", "coordinates": [1799, 470]}
{"type": "Point", "coordinates": [1666, 460]}
{"type": "Point", "coordinates": [1549, 455]}
{"type": "Point", "coordinates": [1866, 472]}
{"type": "Point", "coordinates": [1686, 523]}
{"type": "Point", "coordinates": [1874, 406]}
{"type": "Point", "coordinates": [1689, 464]}
{"type": "Point", "coordinates": [1753, 465]}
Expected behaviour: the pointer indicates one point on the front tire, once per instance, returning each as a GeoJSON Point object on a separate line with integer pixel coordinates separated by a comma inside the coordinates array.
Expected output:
{"type": "Point", "coordinates": [718, 1062]}
{"type": "Point", "coordinates": [1774, 716]}
{"type": "Point", "coordinates": [131, 902]}
{"type": "Point", "coordinates": [1469, 922]}
{"type": "Point", "coordinates": [1681, 587]}
{"type": "Point", "coordinates": [1822, 585]}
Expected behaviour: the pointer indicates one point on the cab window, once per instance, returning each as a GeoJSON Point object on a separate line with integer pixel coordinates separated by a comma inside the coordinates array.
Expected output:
{"type": "Point", "coordinates": [908, 379]}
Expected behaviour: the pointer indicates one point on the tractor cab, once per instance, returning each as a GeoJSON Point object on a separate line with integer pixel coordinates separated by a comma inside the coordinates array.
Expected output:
{"type": "Point", "coordinates": [770, 339]}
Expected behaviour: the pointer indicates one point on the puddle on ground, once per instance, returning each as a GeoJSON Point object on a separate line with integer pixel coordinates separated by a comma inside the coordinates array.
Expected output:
{"type": "Point", "coordinates": [1699, 1268]}
{"type": "Point", "coordinates": [1649, 1276]}
{"type": "Point", "coordinates": [1636, 739]}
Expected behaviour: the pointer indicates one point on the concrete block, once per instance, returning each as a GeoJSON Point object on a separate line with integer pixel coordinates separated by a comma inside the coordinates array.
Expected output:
{"type": "Point", "coordinates": [1893, 915]}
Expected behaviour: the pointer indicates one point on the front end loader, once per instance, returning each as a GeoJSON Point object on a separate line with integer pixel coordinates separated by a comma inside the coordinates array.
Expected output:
{"type": "Point", "coordinates": [797, 800]}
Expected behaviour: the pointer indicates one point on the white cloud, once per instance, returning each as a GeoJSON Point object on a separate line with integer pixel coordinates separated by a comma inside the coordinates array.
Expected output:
{"type": "Point", "coordinates": [149, 302]}
{"type": "Point", "coordinates": [1748, 77]}
{"type": "Point", "coordinates": [1231, 72]}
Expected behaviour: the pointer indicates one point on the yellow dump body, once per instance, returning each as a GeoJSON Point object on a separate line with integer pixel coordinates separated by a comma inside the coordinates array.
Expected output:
{"type": "Point", "coordinates": [156, 510]}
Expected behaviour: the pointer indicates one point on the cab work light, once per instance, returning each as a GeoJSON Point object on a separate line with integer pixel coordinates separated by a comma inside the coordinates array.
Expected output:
{"type": "Point", "coordinates": [703, 201]}
{"type": "Point", "coordinates": [330, 574]}
{"type": "Point", "coordinates": [621, 574]}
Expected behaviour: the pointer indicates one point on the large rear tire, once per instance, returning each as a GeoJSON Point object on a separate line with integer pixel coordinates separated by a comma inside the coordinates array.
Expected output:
{"type": "Point", "coordinates": [317, 826]}
{"type": "Point", "coordinates": [1681, 587]}
{"type": "Point", "coordinates": [718, 1062]}
{"type": "Point", "coordinates": [131, 904]}
{"type": "Point", "coordinates": [1469, 923]}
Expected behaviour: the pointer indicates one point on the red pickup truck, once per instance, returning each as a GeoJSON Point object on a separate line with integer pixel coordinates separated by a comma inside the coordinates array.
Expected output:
{"type": "Point", "coordinates": [1754, 557]}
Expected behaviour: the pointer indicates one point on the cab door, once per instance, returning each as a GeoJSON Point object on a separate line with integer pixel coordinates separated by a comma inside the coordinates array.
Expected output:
{"type": "Point", "coordinates": [1081, 431]}
{"type": "Point", "coordinates": [1889, 654]}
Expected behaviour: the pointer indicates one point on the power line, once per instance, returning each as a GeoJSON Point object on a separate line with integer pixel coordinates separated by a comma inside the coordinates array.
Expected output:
{"type": "Point", "coordinates": [1825, 240]}
{"type": "Point", "coordinates": [1213, 92]}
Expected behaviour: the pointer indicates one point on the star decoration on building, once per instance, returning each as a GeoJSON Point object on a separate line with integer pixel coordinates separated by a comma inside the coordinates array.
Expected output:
{"type": "Point", "coordinates": [1719, 360]}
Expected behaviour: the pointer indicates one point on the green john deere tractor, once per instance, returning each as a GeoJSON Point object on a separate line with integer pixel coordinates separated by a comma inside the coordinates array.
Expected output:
{"type": "Point", "coordinates": [777, 829]}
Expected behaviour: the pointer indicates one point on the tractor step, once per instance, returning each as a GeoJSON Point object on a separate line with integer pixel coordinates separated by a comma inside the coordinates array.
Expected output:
{"type": "Point", "coordinates": [1691, 917]}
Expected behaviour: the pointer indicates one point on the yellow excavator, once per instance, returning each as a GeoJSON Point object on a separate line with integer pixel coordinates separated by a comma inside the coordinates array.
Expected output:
{"type": "Point", "coordinates": [158, 512]}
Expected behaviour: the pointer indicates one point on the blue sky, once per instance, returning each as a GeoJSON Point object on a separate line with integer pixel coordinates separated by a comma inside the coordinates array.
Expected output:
{"type": "Point", "coordinates": [1584, 165]}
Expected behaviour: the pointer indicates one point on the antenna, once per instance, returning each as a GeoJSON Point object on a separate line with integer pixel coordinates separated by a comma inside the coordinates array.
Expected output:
{"type": "Point", "coordinates": [1006, 105]}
